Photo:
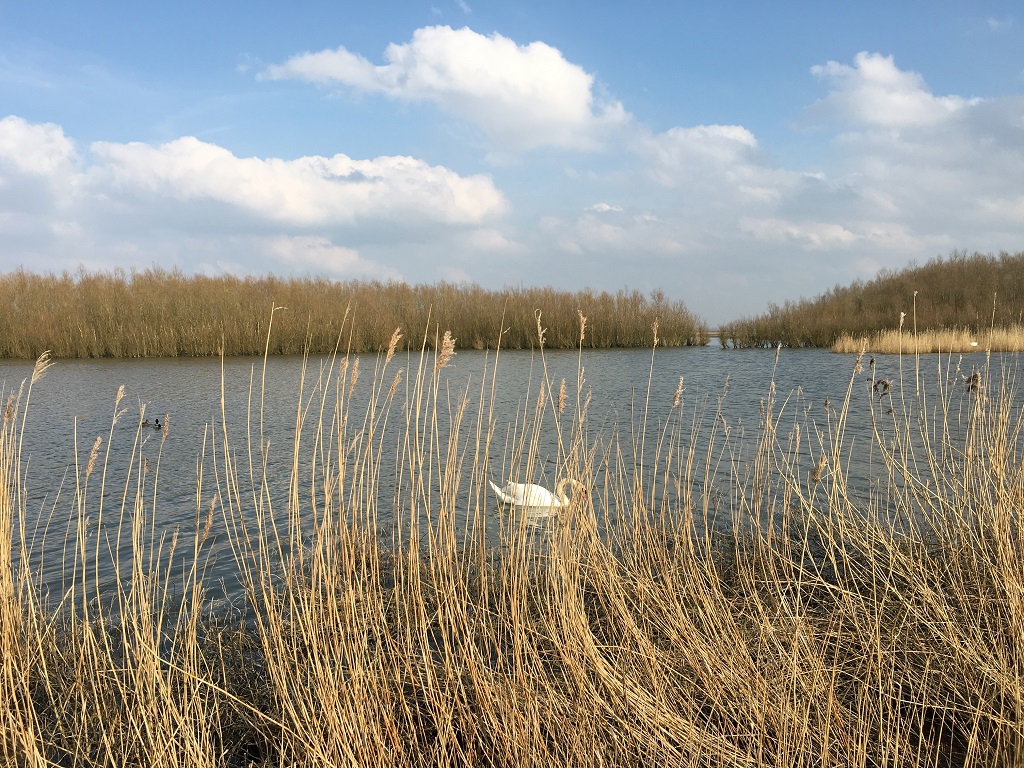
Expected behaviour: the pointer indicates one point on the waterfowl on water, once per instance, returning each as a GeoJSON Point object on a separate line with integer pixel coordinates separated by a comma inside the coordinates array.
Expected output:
{"type": "Point", "coordinates": [158, 425]}
{"type": "Point", "coordinates": [531, 495]}
{"type": "Point", "coordinates": [145, 423]}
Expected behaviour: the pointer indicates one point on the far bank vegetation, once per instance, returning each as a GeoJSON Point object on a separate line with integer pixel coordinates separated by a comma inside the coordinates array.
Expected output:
{"type": "Point", "coordinates": [161, 313]}
{"type": "Point", "coordinates": [959, 303]}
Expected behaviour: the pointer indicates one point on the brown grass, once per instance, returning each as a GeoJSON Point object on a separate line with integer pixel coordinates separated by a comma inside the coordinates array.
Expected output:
{"type": "Point", "coordinates": [815, 627]}
{"type": "Point", "coordinates": [158, 313]}
{"type": "Point", "coordinates": [894, 342]}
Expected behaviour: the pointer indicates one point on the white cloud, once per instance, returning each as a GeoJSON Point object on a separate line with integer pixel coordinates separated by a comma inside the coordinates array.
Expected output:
{"type": "Point", "coordinates": [303, 192]}
{"type": "Point", "coordinates": [725, 159]}
{"type": "Point", "coordinates": [195, 204]}
{"type": "Point", "coordinates": [605, 208]}
{"type": "Point", "coordinates": [319, 256]}
{"type": "Point", "coordinates": [811, 235]}
{"type": "Point", "coordinates": [34, 148]}
{"type": "Point", "coordinates": [487, 240]}
{"type": "Point", "coordinates": [876, 92]}
{"type": "Point", "coordinates": [521, 96]}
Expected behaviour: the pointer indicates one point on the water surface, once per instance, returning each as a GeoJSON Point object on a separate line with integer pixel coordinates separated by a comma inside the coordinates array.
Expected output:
{"type": "Point", "coordinates": [75, 403]}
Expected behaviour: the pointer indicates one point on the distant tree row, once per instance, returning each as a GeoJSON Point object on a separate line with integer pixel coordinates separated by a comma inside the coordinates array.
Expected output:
{"type": "Point", "coordinates": [965, 291]}
{"type": "Point", "coordinates": [159, 313]}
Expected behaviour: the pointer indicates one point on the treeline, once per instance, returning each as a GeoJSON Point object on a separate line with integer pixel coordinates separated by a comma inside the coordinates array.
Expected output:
{"type": "Point", "coordinates": [160, 313]}
{"type": "Point", "coordinates": [969, 292]}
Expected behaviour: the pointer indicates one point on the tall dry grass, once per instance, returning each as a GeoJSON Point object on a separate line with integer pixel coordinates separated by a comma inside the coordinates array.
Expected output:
{"type": "Point", "coordinates": [896, 341]}
{"type": "Point", "coordinates": [159, 313]}
{"type": "Point", "coordinates": [809, 625]}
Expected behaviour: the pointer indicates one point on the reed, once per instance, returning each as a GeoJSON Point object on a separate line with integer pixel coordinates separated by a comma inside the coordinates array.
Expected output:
{"type": "Point", "coordinates": [159, 313]}
{"type": "Point", "coordinates": [970, 292]}
{"type": "Point", "coordinates": [671, 617]}
{"type": "Point", "coordinates": [895, 341]}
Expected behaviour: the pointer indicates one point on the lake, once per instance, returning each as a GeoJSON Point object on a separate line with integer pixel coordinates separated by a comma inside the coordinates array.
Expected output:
{"type": "Point", "coordinates": [75, 402]}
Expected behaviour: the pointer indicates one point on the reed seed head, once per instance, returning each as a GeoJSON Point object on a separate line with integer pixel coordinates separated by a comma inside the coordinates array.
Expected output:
{"type": "Point", "coordinates": [9, 410]}
{"type": "Point", "coordinates": [583, 324]}
{"type": "Point", "coordinates": [447, 351]}
{"type": "Point", "coordinates": [209, 521]}
{"type": "Point", "coordinates": [393, 345]}
{"type": "Point", "coordinates": [42, 366]}
{"type": "Point", "coordinates": [93, 454]}
{"type": "Point", "coordinates": [354, 377]}
{"type": "Point", "coordinates": [654, 327]}
{"type": "Point", "coordinates": [678, 397]}
{"type": "Point", "coordinates": [562, 399]}
{"type": "Point", "coordinates": [540, 329]}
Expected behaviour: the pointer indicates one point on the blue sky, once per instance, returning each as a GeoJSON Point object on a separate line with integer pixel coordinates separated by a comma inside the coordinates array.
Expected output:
{"type": "Point", "coordinates": [730, 154]}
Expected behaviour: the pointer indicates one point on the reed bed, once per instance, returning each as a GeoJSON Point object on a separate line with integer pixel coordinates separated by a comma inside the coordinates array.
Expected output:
{"type": "Point", "coordinates": [159, 313]}
{"type": "Point", "coordinates": [663, 619]}
{"type": "Point", "coordinates": [974, 292]}
{"type": "Point", "coordinates": [896, 341]}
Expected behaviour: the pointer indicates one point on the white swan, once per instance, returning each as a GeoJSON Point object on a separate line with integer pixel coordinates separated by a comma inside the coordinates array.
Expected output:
{"type": "Point", "coordinates": [530, 495]}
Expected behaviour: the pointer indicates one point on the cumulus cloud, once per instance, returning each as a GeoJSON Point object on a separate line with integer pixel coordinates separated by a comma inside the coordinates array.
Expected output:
{"type": "Point", "coordinates": [904, 174]}
{"type": "Point", "coordinates": [306, 191]}
{"type": "Point", "coordinates": [34, 148]}
{"type": "Point", "coordinates": [521, 96]}
{"type": "Point", "coordinates": [487, 240]}
{"type": "Point", "coordinates": [875, 91]}
{"type": "Point", "coordinates": [813, 235]}
{"type": "Point", "coordinates": [192, 202]}
{"type": "Point", "coordinates": [320, 256]}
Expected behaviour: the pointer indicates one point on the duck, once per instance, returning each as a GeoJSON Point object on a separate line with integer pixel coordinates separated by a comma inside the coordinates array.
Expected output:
{"type": "Point", "coordinates": [158, 425]}
{"type": "Point", "coordinates": [532, 495]}
{"type": "Point", "coordinates": [145, 423]}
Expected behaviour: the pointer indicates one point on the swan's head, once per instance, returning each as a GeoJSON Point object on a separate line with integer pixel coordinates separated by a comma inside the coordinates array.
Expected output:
{"type": "Point", "coordinates": [579, 490]}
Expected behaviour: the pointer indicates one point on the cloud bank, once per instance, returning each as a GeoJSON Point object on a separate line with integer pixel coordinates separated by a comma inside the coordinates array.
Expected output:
{"type": "Point", "coordinates": [123, 198]}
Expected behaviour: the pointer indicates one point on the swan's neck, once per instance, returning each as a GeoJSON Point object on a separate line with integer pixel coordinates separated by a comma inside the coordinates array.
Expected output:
{"type": "Point", "coordinates": [560, 497]}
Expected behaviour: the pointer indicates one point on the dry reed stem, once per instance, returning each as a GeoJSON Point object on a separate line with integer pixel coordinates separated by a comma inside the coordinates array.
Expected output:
{"type": "Point", "coordinates": [809, 626]}
{"type": "Point", "coordinates": [954, 340]}
{"type": "Point", "coordinates": [158, 313]}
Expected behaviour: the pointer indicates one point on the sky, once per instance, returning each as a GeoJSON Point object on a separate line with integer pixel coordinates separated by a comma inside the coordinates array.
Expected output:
{"type": "Point", "coordinates": [729, 154]}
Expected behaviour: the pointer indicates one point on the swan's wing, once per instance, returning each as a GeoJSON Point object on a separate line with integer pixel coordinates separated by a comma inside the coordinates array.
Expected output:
{"type": "Point", "coordinates": [525, 495]}
{"type": "Point", "coordinates": [536, 496]}
{"type": "Point", "coordinates": [498, 492]}
{"type": "Point", "coordinates": [510, 494]}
